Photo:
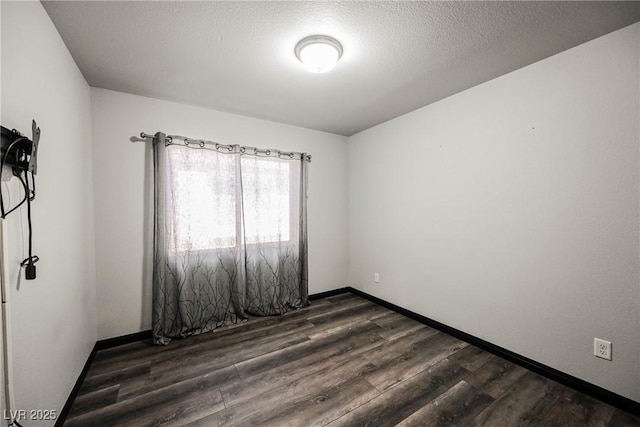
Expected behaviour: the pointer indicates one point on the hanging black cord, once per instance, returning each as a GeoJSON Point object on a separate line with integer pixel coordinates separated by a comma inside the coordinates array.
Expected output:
{"type": "Point", "coordinates": [2, 162]}
{"type": "Point", "coordinates": [31, 260]}
{"type": "Point", "coordinates": [24, 199]}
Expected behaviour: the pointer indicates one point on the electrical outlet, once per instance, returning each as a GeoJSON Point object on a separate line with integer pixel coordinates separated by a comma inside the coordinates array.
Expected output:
{"type": "Point", "coordinates": [602, 348]}
{"type": "Point", "coordinates": [376, 277]}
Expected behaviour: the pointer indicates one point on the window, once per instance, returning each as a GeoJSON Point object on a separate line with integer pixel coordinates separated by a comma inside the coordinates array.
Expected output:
{"type": "Point", "coordinates": [266, 187]}
{"type": "Point", "coordinates": [249, 196]}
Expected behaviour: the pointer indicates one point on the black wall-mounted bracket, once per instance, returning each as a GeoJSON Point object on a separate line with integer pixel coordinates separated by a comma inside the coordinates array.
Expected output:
{"type": "Point", "coordinates": [18, 151]}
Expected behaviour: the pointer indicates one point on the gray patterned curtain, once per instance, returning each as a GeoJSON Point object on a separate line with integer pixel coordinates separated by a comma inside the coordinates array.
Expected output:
{"type": "Point", "coordinates": [230, 235]}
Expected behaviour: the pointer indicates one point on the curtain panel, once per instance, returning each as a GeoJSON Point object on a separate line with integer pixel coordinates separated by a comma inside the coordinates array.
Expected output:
{"type": "Point", "coordinates": [230, 236]}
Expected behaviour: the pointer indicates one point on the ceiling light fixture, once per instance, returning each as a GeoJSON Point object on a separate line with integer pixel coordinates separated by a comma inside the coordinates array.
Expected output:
{"type": "Point", "coordinates": [319, 53]}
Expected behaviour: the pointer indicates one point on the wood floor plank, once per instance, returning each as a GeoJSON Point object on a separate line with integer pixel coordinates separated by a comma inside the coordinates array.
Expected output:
{"type": "Point", "coordinates": [496, 376]}
{"type": "Point", "coordinates": [323, 407]}
{"type": "Point", "coordinates": [253, 411]}
{"type": "Point", "coordinates": [249, 342]}
{"type": "Point", "coordinates": [513, 404]}
{"type": "Point", "coordinates": [126, 375]}
{"type": "Point", "coordinates": [390, 350]}
{"type": "Point", "coordinates": [400, 401]}
{"type": "Point", "coordinates": [576, 409]}
{"type": "Point", "coordinates": [341, 312]}
{"type": "Point", "coordinates": [188, 400]}
{"type": "Point", "coordinates": [420, 356]}
{"type": "Point", "coordinates": [471, 357]}
{"type": "Point", "coordinates": [345, 296]}
{"type": "Point", "coordinates": [457, 406]}
{"type": "Point", "coordinates": [395, 326]}
{"type": "Point", "coordinates": [535, 415]}
{"type": "Point", "coordinates": [87, 402]}
{"type": "Point", "coordinates": [215, 356]}
{"type": "Point", "coordinates": [259, 327]}
{"type": "Point", "coordinates": [260, 383]}
{"type": "Point", "coordinates": [219, 376]}
{"type": "Point", "coordinates": [330, 322]}
{"type": "Point", "coordinates": [263, 323]}
{"type": "Point", "coordinates": [126, 351]}
{"type": "Point", "coordinates": [324, 346]}
{"type": "Point", "coordinates": [138, 356]}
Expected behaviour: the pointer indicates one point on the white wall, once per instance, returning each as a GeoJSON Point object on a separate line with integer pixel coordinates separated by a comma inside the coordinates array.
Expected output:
{"type": "Point", "coordinates": [511, 211]}
{"type": "Point", "coordinates": [54, 316]}
{"type": "Point", "coordinates": [124, 187]}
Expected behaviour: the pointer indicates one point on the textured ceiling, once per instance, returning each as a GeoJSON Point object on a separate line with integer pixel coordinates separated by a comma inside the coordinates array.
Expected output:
{"type": "Point", "coordinates": [398, 56]}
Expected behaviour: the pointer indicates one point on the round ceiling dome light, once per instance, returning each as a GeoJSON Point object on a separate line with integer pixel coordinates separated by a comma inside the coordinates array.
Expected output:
{"type": "Point", "coordinates": [319, 53]}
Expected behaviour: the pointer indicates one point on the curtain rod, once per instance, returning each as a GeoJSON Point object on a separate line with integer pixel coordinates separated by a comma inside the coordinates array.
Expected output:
{"type": "Point", "coordinates": [168, 140]}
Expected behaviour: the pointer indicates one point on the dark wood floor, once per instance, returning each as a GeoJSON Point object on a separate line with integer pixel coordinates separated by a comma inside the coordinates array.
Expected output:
{"type": "Point", "coordinates": [343, 361]}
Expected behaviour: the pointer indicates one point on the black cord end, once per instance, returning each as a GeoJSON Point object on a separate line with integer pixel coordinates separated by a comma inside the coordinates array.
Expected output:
{"type": "Point", "coordinates": [30, 272]}
{"type": "Point", "coordinates": [30, 268]}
